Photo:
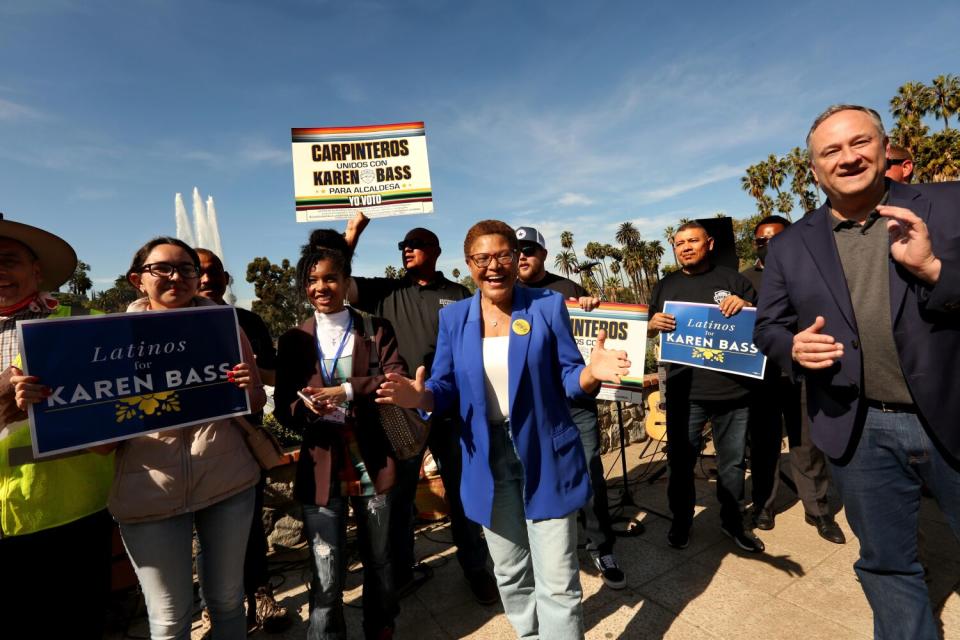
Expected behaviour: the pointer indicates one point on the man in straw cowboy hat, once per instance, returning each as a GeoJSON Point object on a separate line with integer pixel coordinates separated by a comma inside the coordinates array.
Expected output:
{"type": "Point", "coordinates": [55, 533]}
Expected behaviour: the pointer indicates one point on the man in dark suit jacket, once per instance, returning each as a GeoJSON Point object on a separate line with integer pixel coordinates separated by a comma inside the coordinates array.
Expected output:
{"type": "Point", "coordinates": [862, 298]}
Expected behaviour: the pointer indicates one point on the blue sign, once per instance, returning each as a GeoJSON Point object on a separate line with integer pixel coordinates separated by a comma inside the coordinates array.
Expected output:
{"type": "Point", "coordinates": [706, 339]}
{"type": "Point", "coordinates": [117, 376]}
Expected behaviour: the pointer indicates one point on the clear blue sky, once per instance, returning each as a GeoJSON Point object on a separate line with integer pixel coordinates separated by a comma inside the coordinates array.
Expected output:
{"type": "Point", "coordinates": [563, 115]}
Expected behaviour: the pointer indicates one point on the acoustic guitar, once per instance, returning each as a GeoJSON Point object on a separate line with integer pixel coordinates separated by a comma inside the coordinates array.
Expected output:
{"type": "Point", "coordinates": [656, 422]}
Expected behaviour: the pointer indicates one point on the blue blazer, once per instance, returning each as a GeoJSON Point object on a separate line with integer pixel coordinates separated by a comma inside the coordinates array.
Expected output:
{"type": "Point", "coordinates": [803, 278]}
{"type": "Point", "coordinates": [544, 368]}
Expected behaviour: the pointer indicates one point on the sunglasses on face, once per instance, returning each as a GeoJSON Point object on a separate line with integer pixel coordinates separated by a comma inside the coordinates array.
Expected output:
{"type": "Point", "coordinates": [414, 244]}
{"type": "Point", "coordinates": [529, 250]}
{"type": "Point", "coordinates": [893, 161]}
{"type": "Point", "coordinates": [761, 242]}
{"type": "Point", "coordinates": [187, 270]}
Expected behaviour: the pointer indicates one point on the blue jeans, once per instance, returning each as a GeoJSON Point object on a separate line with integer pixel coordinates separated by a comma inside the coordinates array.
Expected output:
{"type": "Point", "coordinates": [685, 422]}
{"type": "Point", "coordinates": [880, 488]}
{"type": "Point", "coordinates": [444, 444]}
{"type": "Point", "coordinates": [326, 530]}
{"type": "Point", "coordinates": [534, 561]}
{"type": "Point", "coordinates": [162, 555]}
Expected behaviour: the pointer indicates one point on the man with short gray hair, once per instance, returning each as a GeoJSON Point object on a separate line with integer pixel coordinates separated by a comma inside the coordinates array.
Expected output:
{"type": "Point", "coordinates": [862, 299]}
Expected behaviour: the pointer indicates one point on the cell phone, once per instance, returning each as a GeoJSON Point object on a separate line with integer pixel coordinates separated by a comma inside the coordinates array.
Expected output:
{"type": "Point", "coordinates": [307, 398]}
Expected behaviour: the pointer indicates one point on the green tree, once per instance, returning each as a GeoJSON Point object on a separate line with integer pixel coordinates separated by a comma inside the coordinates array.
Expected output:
{"type": "Point", "coordinates": [945, 95]}
{"type": "Point", "coordinates": [278, 302]}
{"type": "Point", "coordinates": [938, 157]}
{"type": "Point", "coordinates": [79, 283]}
{"type": "Point", "coordinates": [565, 261]}
{"type": "Point", "coordinates": [117, 298]}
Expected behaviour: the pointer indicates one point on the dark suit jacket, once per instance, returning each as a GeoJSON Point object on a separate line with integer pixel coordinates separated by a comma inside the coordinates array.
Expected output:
{"type": "Point", "coordinates": [544, 366]}
{"type": "Point", "coordinates": [320, 455]}
{"type": "Point", "coordinates": [803, 278]}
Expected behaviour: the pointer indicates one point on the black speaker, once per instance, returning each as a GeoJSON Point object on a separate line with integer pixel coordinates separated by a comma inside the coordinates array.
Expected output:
{"type": "Point", "coordinates": [724, 242]}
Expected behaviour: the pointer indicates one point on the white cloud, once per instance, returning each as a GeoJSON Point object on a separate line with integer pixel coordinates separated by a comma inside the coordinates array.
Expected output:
{"type": "Point", "coordinates": [571, 199]}
{"type": "Point", "coordinates": [12, 111]}
{"type": "Point", "coordinates": [714, 174]}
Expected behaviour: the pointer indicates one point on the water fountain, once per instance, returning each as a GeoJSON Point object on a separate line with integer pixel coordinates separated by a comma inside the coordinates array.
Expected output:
{"type": "Point", "coordinates": [204, 232]}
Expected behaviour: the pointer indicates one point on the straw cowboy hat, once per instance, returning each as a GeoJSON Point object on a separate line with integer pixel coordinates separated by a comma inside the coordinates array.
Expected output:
{"type": "Point", "coordinates": [57, 259]}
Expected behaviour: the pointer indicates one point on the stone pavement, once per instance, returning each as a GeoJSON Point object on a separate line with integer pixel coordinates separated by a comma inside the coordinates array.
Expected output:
{"type": "Point", "coordinates": [803, 587]}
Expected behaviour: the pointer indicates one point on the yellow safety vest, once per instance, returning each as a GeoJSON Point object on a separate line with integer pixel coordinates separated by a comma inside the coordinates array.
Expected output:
{"type": "Point", "coordinates": [42, 494]}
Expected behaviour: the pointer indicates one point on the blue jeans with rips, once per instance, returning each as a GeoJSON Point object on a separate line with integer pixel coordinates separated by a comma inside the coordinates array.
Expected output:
{"type": "Point", "coordinates": [880, 488]}
{"type": "Point", "coordinates": [161, 552]}
{"type": "Point", "coordinates": [326, 531]}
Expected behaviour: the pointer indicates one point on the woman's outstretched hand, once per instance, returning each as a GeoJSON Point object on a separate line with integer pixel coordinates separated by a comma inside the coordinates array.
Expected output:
{"type": "Point", "coordinates": [606, 365]}
{"type": "Point", "coordinates": [406, 393]}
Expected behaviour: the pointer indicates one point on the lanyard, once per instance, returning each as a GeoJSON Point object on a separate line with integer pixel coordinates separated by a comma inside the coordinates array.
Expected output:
{"type": "Point", "coordinates": [328, 375]}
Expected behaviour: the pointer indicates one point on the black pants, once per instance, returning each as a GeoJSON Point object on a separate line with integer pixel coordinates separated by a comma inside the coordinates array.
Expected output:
{"type": "Point", "coordinates": [444, 444]}
{"type": "Point", "coordinates": [58, 580]}
{"type": "Point", "coordinates": [778, 405]}
{"type": "Point", "coordinates": [256, 573]}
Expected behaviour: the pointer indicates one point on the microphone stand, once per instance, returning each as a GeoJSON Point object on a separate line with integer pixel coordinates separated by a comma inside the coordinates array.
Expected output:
{"type": "Point", "coordinates": [634, 527]}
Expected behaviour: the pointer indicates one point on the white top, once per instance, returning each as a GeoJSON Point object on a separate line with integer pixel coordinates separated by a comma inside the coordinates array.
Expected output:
{"type": "Point", "coordinates": [330, 330]}
{"type": "Point", "coordinates": [495, 377]}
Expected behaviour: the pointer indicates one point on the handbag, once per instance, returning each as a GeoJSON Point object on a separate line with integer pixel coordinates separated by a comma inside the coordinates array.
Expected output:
{"type": "Point", "coordinates": [406, 431]}
{"type": "Point", "coordinates": [263, 445]}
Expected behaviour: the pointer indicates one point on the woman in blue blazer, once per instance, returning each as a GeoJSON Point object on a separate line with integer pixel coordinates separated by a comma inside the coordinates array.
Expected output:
{"type": "Point", "coordinates": [508, 358]}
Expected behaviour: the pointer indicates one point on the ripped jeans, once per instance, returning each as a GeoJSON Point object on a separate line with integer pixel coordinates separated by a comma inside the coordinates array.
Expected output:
{"type": "Point", "coordinates": [326, 530]}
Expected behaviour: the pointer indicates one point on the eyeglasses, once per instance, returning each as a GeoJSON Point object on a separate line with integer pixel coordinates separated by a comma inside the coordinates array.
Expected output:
{"type": "Point", "coordinates": [414, 244]}
{"type": "Point", "coordinates": [529, 250]}
{"type": "Point", "coordinates": [187, 270]}
{"type": "Point", "coordinates": [483, 259]}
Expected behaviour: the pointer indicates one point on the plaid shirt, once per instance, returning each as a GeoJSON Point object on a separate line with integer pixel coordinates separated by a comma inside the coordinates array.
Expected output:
{"type": "Point", "coordinates": [41, 307]}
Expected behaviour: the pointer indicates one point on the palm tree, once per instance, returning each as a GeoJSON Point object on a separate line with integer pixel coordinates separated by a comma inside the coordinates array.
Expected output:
{"type": "Point", "coordinates": [799, 162]}
{"type": "Point", "coordinates": [913, 101]}
{"type": "Point", "coordinates": [765, 205]}
{"type": "Point", "coordinates": [945, 93]}
{"type": "Point", "coordinates": [596, 251]}
{"type": "Point", "coordinates": [656, 250]}
{"type": "Point", "coordinates": [785, 203]}
{"type": "Point", "coordinates": [565, 262]}
{"type": "Point", "coordinates": [909, 134]}
{"type": "Point", "coordinates": [776, 172]}
{"type": "Point", "coordinates": [668, 233]}
{"type": "Point", "coordinates": [587, 279]}
{"type": "Point", "coordinates": [566, 241]}
{"type": "Point", "coordinates": [633, 265]}
{"type": "Point", "coordinates": [627, 234]}
{"type": "Point", "coordinates": [616, 270]}
{"type": "Point", "coordinates": [755, 182]}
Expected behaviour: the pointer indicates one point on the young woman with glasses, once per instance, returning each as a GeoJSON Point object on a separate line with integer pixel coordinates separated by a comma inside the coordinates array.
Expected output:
{"type": "Point", "coordinates": [202, 477]}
